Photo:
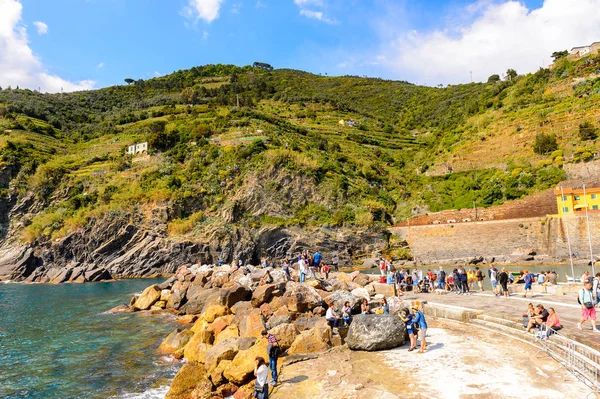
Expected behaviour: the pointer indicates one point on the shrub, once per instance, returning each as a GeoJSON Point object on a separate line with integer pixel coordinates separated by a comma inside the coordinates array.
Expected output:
{"type": "Point", "coordinates": [184, 225]}
{"type": "Point", "coordinates": [587, 131]}
{"type": "Point", "coordinates": [545, 143]}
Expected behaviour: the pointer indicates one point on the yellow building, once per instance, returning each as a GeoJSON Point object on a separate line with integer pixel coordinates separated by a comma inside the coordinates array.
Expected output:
{"type": "Point", "coordinates": [573, 200]}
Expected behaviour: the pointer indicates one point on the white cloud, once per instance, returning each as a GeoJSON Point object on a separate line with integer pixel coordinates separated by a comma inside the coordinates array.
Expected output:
{"type": "Point", "coordinates": [236, 8]}
{"type": "Point", "coordinates": [101, 65]}
{"type": "Point", "coordinates": [497, 36]}
{"type": "Point", "coordinates": [42, 28]}
{"type": "Point", "coordinates": [207, 10]}
{"type": "Point", "coordinates": [18, 65]}
{"type": "Point", "coordinates": [314, 14]}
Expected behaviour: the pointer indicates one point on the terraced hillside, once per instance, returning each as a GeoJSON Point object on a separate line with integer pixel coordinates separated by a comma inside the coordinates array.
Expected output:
{"type": "Point", "coordinates": [239, 151]}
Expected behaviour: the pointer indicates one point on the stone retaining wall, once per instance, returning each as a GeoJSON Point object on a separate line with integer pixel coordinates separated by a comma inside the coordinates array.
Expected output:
{"type": "Point", "coordinates": [506, 240]}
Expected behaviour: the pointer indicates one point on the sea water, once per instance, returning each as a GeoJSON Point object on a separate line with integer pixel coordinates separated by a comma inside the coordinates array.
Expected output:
{"type": "Point", "coordinates": [58, 341]}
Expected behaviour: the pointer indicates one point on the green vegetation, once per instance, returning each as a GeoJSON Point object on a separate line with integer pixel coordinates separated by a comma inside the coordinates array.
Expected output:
{"type": "Point", "coordinates": [282, 157]}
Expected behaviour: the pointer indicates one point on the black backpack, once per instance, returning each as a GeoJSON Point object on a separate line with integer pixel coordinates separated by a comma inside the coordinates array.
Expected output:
{"type": "Point", "coordinates": [443, 275]}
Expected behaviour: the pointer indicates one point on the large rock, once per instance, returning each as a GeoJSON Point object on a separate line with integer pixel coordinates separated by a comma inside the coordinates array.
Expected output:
{"type": "Point", "coordinates": [190, 383]}
{"type": "Point", "coordinates": [174, 341]}
{"type": "Point", "coordinates": [232, 295]}
{"type": "Point", "coordinates": [275, 321]}
{"type": "Point", "coordinates": [253, 324]}
{"type": "Point", "coordinates": [361, 280]}
{"type": "Point", "coordinates": [241, 369]}
{"type": "Point", "coordinates": [216, 376]}
{"type": "Point", "coordinates": [301, 298]}
{"type": "Point", "coordinates": [226, 350]}
{"type": "Point", "coordinates": [195, 350]}
{"type": "Point", "coordinates": [361, 293]}
{"type": "Point", "coordinates": [285, 335]}
{"type": "Point", "coordinates": [264, 293]}
{"type": "Point", "coordinates": [375, 332]}
{"type": "Point", "coordinates": [147, 298]}
{"type": "Point", "coordinates": [339, 298]}
{"type": "Point", "coordinates": [304, 323]}
{"type": "Point", "coordinates": [199, 299]}
{"type": "Point", "coordinates": [231, 331]}
{"type": "Point", "coordinates": [311, 341]}
{"type": "Point", "coordinates": [214, 311]}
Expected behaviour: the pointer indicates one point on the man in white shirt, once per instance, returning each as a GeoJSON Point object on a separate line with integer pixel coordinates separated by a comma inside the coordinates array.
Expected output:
{"type": "Point", "coordinates": [331, 316]}
{"type": "Point", "coordinates": [302, 268]}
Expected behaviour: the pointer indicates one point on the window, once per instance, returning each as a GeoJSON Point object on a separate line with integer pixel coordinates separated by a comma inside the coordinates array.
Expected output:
{"type": "Point", "coordinates": [564, 198]}
{"type": "Point", "coordinates": [566, 209]}
{"type": "Point", "coordinates": [594, 196]}
{"type": "Point", "coordinates": [577, 198]}
{"type": "Point", "coordinates": [594, 207]}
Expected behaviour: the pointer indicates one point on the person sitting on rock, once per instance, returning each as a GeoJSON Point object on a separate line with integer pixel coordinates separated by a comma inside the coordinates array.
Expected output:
{"type": "Point", "coordinates": [383, 308]}
{"type": "Point", "coordinates": [346, 314]}
{"type": "Point", "coordinates": [266, 279]}
{"type": "Point", "coordinates": [332, 317]}
{"type": "Point", "coordinates": [364, 307]}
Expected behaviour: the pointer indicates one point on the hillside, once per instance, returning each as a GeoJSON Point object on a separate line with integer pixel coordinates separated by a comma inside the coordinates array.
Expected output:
{"type": "Point", "coordinates": [223, 181]}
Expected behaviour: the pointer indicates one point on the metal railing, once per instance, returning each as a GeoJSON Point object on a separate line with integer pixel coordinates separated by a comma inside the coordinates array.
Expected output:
{"type": "Point", "coordinates": [579, 360]}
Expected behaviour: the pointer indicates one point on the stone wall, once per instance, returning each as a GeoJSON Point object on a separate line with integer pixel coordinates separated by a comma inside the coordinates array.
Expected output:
{"type": "Point", "coordinates": [510, 241]}
{"type": "Point", "coordinates": [537, 205]}
{"type": "Point", "coordinates": [582, 170]}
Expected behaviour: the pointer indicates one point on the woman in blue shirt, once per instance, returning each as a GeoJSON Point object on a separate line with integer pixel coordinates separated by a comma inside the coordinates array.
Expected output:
{"type": "Point", "coordinates": [407, 318]}
{"type": "Point", "coordinates": [419, 319]}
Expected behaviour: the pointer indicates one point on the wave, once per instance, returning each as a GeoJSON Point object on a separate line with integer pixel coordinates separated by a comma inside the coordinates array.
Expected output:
{"type": "Point", "coordinates": [152, 393]}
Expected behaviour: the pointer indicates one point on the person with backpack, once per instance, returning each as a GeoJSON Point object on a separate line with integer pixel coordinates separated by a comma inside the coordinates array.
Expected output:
{"type": "Point", "coordinates": [528, 279]}
{"type": "Point", "coordinates": [596, 288]}
{"type": "Point", "coordinates": [273, 351]}
{"type": "Point", "coordinates": [503, 281]}
{"type": "Point", "coordinates": [493, 275]}
{"type": "Point", "coordinates": [587, 300]}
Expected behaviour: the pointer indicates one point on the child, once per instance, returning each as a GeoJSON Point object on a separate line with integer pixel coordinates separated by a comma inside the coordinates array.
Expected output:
{"type": "Point", "coordinates": [326, 270]}
{"type": "Point", "coordinates": [407, 318]}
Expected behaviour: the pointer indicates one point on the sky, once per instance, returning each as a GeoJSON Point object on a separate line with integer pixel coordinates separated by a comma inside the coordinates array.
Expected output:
{"type": "Point", "coordinates": [69, 45]}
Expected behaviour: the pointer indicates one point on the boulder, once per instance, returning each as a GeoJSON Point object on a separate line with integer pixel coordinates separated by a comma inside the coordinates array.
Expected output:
{"type": "Point", "coordinates": [281, 311]}
{"type": "Point", "coordinates": [275, 321]}
{"type": "Point", "coordinates": [147, 298]}
{"type": "Point", "coordinates": [195, 350]}
{"type": "Point", "coordinates": [174, 341]}
{"type": "Point", "coordinates": [252, 325]}
{"type": "Point", "coordinates": [216, 376]}
{"type": "Point", "coordinates": [232, 295]}
{"type": "Point", "coordinates": [339, 298]}
{"type": "Point", "coordinates": [337, 285]}
{"type": "Point", "coordinates": [241, 369]}
{"type": "Point", "coordinates": [219, 325]}
{"type": "Point", "coordinates": [361, 293]}
{"type": "Point", "coordinates": [264, 293]}
{"type": "Point", "coordinates": [199, 299]}
{"type": "Point", "coordinates": [396, 305]}
{"type": "Point", "coordinates": [375, 332]}
{"type": "Point", "coordinates": [230, 331]}
{"type": "Point", "coordinates": [310, 341]}
{"type": "Point", "coordinates": [319, 311]}
{"type": "Point", "coordinates": [214, 311]}
{"type": "Point", "coordinates": [306, 322]}
{"type": "Point", "coordinates": [120, 309]}
{"type": "Point", "coordinates": [58, 276]}
{"type": "Point", "coordinates": [361, 280]}
{"type": "Point", "coordinates": [285, 335]}
{"type": "Point", "coordinates": [219, 279]}
{"type": "Point", "coordinates": [226, 350]}
{"type": "Point", "coordinates": [190, 383]}
{"type": "Point", "coordinates": [300, 297]}
{"type": "Point", "coordinates": [168, 284]}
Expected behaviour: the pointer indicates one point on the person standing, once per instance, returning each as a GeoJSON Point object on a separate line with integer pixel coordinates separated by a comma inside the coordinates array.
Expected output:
{"type": "Point", "coordinates": [479, 278]}
{"type": "Point", "coordinates": [317, 258]}
{"type": "Point", "coordinates": [407, 318]}
{"type": "Point", "coordinates": [493, 275]}
{"type": "Point", "coordinates": [286, 268]}
{"type": "Point", "coordinates": [419, 319]}
{"type": "Point", "coordinates": [588, 308]}
{"type": "Point", "coordinates": [528, 279]}
{"type": "Point", "coordinates": [441, 279]}
{"type": "Point", "coordinates": [302, 268]}
{"type": "Point", "coordinates": [586, 276]}
{"type": "Point", "coordinates": [596, 288]}
{"type": "Point", "coordinates": [261, 388]}
{"type": "Point", "coordinates": [335, 261]}
{"type": "Point", "coordinates": [503, 281]}
{"type": "Point", "coordinates": [382, 266]}
{"type": "Point", "coordinates": [273, 350]}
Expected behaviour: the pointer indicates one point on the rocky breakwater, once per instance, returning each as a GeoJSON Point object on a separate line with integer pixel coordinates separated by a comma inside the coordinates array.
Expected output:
{"type": "Point", "coordinates": [226, 310]}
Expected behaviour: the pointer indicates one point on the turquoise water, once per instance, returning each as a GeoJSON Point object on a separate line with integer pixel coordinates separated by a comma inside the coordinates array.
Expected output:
{"type": "Point", "coordinates": [56, 341]}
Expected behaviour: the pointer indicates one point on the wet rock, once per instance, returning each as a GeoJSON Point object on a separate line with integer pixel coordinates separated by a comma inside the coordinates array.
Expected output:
{"type": "Point", "coordinates": [375, 332]}
{"type": "Point", "coordinates": [174, 341]}
{"type": "Point", "coordinates": [147, 298]}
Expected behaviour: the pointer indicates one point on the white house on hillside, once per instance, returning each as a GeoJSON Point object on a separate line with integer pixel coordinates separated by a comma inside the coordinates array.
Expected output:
{"type": "Point", "coordinates": [137, 148]}
{"type": "Point", "coordinates": [582, 51]}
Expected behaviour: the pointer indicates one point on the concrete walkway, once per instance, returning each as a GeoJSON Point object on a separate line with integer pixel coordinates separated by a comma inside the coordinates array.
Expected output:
{"type": "Point", "coordinates": [566, 306]}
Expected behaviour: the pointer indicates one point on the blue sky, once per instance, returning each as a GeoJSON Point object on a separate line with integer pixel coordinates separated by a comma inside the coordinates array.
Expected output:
{"type": "Point", "coordinates": [96, 43]}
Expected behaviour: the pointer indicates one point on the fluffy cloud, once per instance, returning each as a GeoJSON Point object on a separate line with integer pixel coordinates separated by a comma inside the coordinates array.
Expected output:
{"type": "Point", "coordinates": [318, 15]}
{"type": "Point", "coordinates": [18, 65]}
{"type": "Point", "coordinates": [496, 36]}
{"type": "Point", "coordinates": [41, 27]}
{"type": "Point", "coordinates": [308, 13]}
{"type": "Point", "coordinates": [207, 10]}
